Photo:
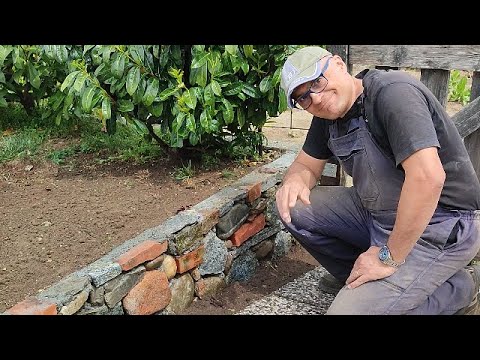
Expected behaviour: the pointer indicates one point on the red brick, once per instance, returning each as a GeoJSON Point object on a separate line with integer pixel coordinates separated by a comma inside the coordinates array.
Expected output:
{"type": "Point", "coordinates": [33, 306]}
{"type": "Point", "coordinates": [145, 251]}
{"type": "Point", "coordinates": [254, 192]}
{"type": "Point", "coordinates": [190, 260]}
{"type": "Point", "coordinates": [150, 295]}
{"type": "Point", "coordinates": [247, 230]}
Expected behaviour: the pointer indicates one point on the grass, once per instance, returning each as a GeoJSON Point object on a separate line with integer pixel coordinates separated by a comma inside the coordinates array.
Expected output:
{"type": "Point", "coordinates": [24, 137]}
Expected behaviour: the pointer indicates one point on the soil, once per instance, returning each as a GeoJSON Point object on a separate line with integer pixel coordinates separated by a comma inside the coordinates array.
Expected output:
{"type": "Point", "coordinates": [55, 220]}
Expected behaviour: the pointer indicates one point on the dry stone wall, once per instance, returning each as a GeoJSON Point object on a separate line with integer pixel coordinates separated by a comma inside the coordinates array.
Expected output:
{"type": "Point", "coordinates": [193, 254]}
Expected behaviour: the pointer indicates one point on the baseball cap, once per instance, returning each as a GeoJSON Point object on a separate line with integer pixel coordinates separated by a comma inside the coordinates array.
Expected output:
{"type": "Point", "coordinates": [300, 67]}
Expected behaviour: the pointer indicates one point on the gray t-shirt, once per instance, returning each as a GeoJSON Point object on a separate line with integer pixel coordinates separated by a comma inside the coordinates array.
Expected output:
{"type": "Point", "coordinates": [404, 117]}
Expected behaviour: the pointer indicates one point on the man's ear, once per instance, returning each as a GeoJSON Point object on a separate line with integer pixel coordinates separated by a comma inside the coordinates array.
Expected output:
{"type": "Point", "coordinates": [339, 62]}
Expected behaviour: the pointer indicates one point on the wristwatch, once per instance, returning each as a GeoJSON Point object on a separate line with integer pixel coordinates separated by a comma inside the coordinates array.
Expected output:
{"type": "Point", "coordinates": [385, 257]}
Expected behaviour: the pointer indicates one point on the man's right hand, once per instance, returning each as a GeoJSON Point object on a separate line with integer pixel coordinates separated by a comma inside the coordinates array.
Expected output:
{"type": "Point", "coordinates": [287, 196]}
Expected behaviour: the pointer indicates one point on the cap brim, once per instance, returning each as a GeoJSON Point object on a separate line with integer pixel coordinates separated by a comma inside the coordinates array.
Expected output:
{"type": "Point", "coordinates": [309, 74]}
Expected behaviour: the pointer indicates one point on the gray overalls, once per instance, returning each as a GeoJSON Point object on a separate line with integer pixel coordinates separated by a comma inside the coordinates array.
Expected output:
{"type": "Point", "coordinates": [343, 222]}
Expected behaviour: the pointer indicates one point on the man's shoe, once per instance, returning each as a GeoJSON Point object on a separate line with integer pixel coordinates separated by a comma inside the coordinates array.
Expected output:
{"type": "Point", "coordinates": [330, 284]}
{"type": "Point", "coordinates": [474, 307]}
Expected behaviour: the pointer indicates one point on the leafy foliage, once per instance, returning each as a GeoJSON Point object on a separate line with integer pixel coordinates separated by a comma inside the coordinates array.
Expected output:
{"type": "Point", "coordinates": [201, 95]}
{"type": "Point", "coordinates": [457, 88]}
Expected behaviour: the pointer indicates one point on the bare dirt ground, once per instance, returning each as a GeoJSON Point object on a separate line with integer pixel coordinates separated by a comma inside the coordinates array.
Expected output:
{"type": "Point", "coordinates": [54, 220]}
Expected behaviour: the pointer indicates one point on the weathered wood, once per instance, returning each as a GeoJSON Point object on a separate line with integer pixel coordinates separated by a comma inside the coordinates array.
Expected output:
{"type": "Point", "coordinates": [472, 143]}
{"type": "Point", "coordinates": [446, 57]}
{"type": "Point", "coordinates": [467, 119]}
{"type": "Point", "coordinates": [475, 90]}
{"type": "Point", "coordinates": [340, 50]}
{"type": "Point", "coordinates": [437, 82]}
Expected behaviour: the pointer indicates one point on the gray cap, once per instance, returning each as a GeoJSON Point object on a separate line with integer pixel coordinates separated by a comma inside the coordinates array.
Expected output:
{"type": "Point", "coordinates": [300, 67]}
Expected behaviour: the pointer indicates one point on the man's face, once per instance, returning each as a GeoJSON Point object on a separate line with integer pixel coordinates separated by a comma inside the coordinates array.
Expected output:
{"type": "Point", "coordinates": [332, 102]}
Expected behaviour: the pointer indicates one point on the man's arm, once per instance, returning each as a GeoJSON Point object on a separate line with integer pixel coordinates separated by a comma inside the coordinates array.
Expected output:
{"type": "Point", "coordinates": [301, 176]}
{"type": "Point", "coordinates": [424, 179]}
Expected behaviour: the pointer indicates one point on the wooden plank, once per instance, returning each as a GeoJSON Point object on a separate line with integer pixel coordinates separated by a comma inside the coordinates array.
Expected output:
{"type": "Point", "coordinates": [446, 57]}
{"type": "Point", "coordinates": [475, 90]}
{"type": "Point", "coordinates": [467, 119]}
{"type": "Point", "coordinates": [437, 82]}
{"type": "Point", "coordinates": [342, 51]}
{"type": "Point", "coordinates": [472, 143]}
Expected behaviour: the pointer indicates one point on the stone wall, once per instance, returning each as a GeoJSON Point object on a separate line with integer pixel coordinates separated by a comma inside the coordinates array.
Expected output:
{"type": "Point", "coordinates": [193, 254]}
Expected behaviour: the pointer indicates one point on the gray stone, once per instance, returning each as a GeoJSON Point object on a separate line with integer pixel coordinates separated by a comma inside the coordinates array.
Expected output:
{"type": "Point", "coordinates": [76, 304]}
{"type": "Point", "coordinates": [101, 275]}
{"type": "Point", "coordinates": [263, 249]}
{"type": "Point", "coordinates": [65, 290]}
{"type": "Point", "coordinates": [96, 296]}
{"type": "Point", "coordinates": [183, 291]}
{"type": "Point", "coordinates": [243, 267]}
{"type": "Point", "coordinates": [231, 221]}
{"type": "Point", "coordinates": [214, 257]}
{"type": "Point", "coordinates": [209, 286]}
{"type": "Point", "coordinates": [282, 244]}
{"type": "Point", "coordinates": [118, 288]}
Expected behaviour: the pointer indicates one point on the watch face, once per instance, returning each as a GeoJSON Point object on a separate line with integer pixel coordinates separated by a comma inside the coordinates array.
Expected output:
{"type": "Point", "coordinates": [383, 254]}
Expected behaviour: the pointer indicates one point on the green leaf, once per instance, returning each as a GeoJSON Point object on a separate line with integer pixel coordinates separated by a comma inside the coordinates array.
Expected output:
{"type": "Point", "coordinates": [58, 119]}
{"type": "Point", "coordinates": [2, 77]}
{"type": "Point", "coordinates": [193, 138]}
{"type": "Point", "coordinates": [228, 111]}
{"type": "Point", "coordinates": [205, 119]}
{"type": "Point", "coordinates": [165, 94]}
{"type": "Point", "coordinates": [250, 90]}
{"type": "Point", "coordinates": [151, 92]}
{"type": "Point", "coordinates": [217, 90]}
{"type": "Point", "coordinates": [199, 76]}
{"type": "Point", "coordinates": [178, 122]}
{"type": "Point", "coordinates": [242, 96]}
{"type": "Point", "coordinates": [3, 102]}
{"type": "Point", "coordinates": [282, 102]}
{"type": "Point", "coordinates": [233, 89]}
{"type": "Point", "coordinates": [190, 99]}
{"type": "Point", "coordinates": [69, 80]}
{"type": "Point", "coordinates": [87, 47]}
{"type": "Point", "coordinates": [200, 60]}
{"type": "Point", "coordinates": [106, 108]}
{"type": "Point", "coordinates": [118, 66]}
{"type": "Point", "coordinates": [32, 74]}
{"type": "Point", "coordinates": [137, 53]}
{"type": "Point", "coordinates": [214, 62]}
{"type": "Point", "coordinates": [125, 105]}
{"type": "Point", "coordinates": [79, 81]}
{"type": "Point", "coordinates": [240, 116]}
{"type": "Point", "coordinates": [191, 125]}
{"type": "Point", "coordinates": [245, 67]}
{"type": "Point", "coordinates": [265, 84]}
{"type": "Point", "coordinates": [276, 76]}
{"type": "Point", "coordinates": [248, 50]}
{"type": "Point", "coordinates": [231, 49]}
{"type": "Point", "coordinates": [156, 109]}
{"type": "Point", "coordinates": [209, 96]}
{"type": "Point", "coordinates": [87, 98]}
{"type": "Point", "coordinates": [133, 79]}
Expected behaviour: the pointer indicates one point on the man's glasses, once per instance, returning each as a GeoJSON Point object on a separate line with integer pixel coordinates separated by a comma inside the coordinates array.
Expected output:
{"type": "Point", "coordinates": [316, 87]}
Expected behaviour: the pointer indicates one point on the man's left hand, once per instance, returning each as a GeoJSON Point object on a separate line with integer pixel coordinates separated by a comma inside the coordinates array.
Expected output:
{"type": "Point", "coordinates": [368, 267]}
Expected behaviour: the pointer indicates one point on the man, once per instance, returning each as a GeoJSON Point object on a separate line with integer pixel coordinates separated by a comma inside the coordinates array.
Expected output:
{"type": "Point", "coordinates": [401, 239]}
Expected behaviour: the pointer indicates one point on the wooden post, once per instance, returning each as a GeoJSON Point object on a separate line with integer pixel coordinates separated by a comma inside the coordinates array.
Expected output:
{"type": "Point", "coordinates": [437, 82]}
{"type": "Point", "coordinates": [472, 141]}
